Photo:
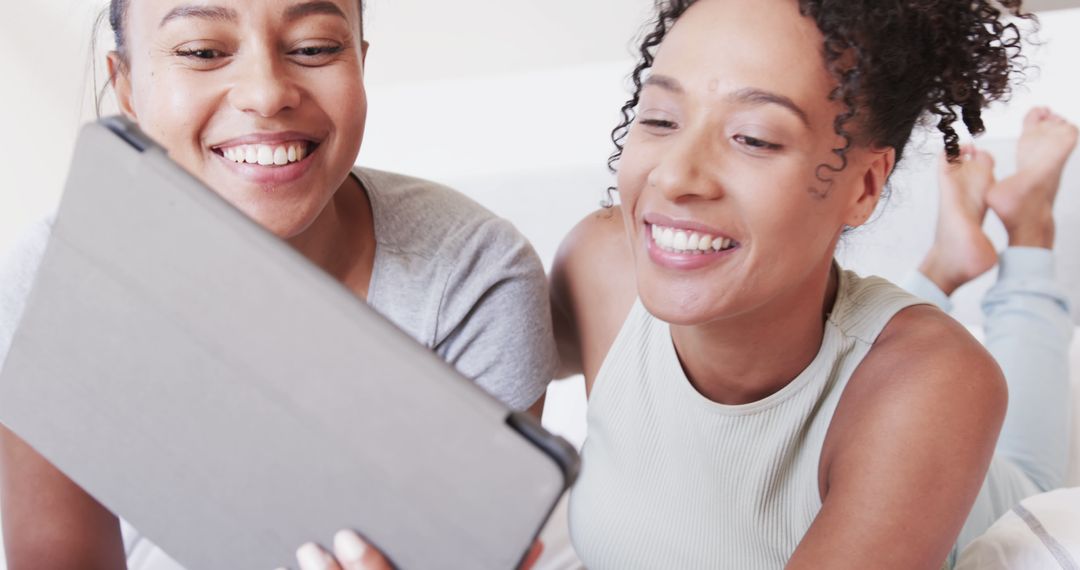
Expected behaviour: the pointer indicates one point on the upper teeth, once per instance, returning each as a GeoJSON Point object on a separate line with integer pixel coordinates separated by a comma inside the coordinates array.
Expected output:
{"type": "Point", "coordinates": [266, 155]}
{"type": "Point", "coordinates": [682, 241]}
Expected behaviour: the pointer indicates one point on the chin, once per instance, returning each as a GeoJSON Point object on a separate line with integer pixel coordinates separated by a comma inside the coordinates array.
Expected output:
{"type": "Point", "coordinates": [285, 222]}
{"type": "Point", "coordinates": [681, 309]}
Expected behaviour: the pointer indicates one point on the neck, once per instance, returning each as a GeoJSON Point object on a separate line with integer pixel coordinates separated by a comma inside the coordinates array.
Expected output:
{"type": "Point", "coordinates": [341, 240]}
{"type": "Point", "coordinates": [751, 356]}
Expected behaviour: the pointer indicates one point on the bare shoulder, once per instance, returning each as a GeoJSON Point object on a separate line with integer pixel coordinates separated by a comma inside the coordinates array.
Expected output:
{"type": "Point", "coordinates": [592, 287]}
{"type": "Point", "coordinates": [908, 446]}
{"type": "Point", "coordinates": [923, 352]}
{"type": "Point", "coordinates": [924, 369]}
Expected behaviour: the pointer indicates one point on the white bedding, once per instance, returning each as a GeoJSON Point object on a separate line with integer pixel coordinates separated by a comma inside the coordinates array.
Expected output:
{"type": "Point", "coordinates": [1073, 478]}
{"type": "Point", "coordinates": [1042, 533]}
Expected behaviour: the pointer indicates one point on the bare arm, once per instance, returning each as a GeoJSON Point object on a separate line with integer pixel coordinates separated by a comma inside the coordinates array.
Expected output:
{"type": "Point", "coordinates": [592, 290]}
{"type": "Point", "coordinates": [908, 449]}
{"type": "Point", "coordinates": [49, 521]}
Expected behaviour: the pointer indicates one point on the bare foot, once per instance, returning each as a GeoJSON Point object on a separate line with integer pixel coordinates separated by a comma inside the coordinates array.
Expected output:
{"type": "Point", "coordinates": [961, 251]}
{"type": "Point", "coordinates": [1025, 200]}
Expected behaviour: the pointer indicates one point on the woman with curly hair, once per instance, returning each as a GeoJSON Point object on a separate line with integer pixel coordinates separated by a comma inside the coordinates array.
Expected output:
{"type": "Point", "coordinates": [751, 404]}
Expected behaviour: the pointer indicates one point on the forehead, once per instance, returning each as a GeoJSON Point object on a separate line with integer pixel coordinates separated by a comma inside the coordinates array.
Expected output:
{"type": "Point", "coordinates": [150, 15]}
{"type": "Point", "coordinates": [727, 45]}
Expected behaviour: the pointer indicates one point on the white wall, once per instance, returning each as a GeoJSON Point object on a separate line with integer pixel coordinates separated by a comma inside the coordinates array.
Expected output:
{"type": "Point", "coordinates": [454, 96]}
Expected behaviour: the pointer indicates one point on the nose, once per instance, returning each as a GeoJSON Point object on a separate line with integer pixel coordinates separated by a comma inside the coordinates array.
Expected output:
{"type": "Point", "coordinates": [263, 86]}
{"type": "Point", "coordinates": [687, 168]}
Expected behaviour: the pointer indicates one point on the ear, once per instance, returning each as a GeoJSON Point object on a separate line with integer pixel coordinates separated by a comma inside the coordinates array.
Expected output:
{"type": "Point", "coordinates": [872, 185]}
{"type": "Point", "coordinates": [120, 78]}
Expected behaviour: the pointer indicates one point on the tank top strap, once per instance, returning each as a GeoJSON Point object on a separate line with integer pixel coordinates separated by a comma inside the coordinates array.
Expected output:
{"type": "Point", "coordinates": [865, 305]}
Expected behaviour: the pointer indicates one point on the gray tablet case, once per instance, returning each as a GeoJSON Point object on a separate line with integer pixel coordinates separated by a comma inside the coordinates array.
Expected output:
{"type": "Point", "coordinates": [204, 381]}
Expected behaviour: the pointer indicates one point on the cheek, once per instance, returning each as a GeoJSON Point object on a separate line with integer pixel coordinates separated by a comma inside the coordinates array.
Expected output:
{"type": "Point", "coordinates": [783, 211]}
{"type": "Point", "coordinates": [632, 174]}
{"type": "Point", "coordinates": [799, 227]}
{"type": "Point", "coordinates": [172, 108]}
{"type": "Point", "coordinates": [343, 97]}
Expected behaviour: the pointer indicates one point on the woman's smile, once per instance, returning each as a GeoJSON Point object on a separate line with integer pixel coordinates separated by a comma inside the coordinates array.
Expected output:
{"type": "Point", "coordinates": [262, 101]}
{"type": "Point", "coordinates": [269, 158]}
{"type": "Point", "coordinates": [684, 245]}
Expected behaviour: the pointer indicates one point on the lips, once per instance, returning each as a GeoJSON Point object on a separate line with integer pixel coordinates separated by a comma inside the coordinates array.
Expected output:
{"type": "Point", "coordinates": [685, 245]}
{"type": "Point", "coordinates": [267, 155]}
{"type": "Point", "coordinates": [269, 160]}
{"type": "Point", "coordinates": [268, 149]}
{"type": "Point", "coordinates": [677, 240]}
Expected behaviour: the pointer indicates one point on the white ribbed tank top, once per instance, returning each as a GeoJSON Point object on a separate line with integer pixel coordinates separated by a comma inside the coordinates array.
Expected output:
{"type": "Point", "coordinates": [672, 479]}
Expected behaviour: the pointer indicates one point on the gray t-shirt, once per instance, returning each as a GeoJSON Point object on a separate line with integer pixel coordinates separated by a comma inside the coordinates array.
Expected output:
{"type": "Point", "coordinates": [451, 274]}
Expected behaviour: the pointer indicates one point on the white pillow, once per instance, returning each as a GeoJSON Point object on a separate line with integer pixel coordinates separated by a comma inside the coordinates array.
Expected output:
{"type": "Point", "coordinates": [1073, 477]}
{"type": "Point", "coordinates": [1042, 532]}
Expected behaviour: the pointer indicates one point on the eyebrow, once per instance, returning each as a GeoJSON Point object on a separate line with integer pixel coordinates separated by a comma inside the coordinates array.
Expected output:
{"type": "Point", "coordinates": [664, 82]}
{"type": "Point", "coordinates": [221, 14]}
{"type": "Point", "coordinates": [748, 95]}
{"type": "Point", "coordinates": [298, 11]}
{"type": "Point", "coordinates": [754, 96]}
{"type": "Point", "coordinates": [216, 13]}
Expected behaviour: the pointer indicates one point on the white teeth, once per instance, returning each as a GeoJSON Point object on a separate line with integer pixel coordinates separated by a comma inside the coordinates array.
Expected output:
{"type": "Point", "coordinates": [667, 237]}
{"type": "Point", "coordinates": [281, 156]}
{"type": "Point", "coordinates": [681, 241]}
{"type": "Point", "coordinates": [266, 155]}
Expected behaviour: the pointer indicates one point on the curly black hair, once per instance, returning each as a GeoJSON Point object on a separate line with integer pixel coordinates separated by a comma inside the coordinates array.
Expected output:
{"type": "Point", "coordinates": [896, 62]}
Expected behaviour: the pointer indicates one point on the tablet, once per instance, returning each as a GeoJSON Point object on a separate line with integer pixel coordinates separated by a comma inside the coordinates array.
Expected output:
{"type": "Point", "coordinates": [206, 382]}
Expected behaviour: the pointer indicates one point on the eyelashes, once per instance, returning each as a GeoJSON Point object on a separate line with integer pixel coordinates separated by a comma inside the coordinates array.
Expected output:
{"type": "Point", "coordinates": [204, 54]}
{"type": "Point", "coordinates": [208, 58]}
{"type": "Point", "coordinates": [662, 127]}
{"type": "Point", "coordinates": [658, 123]}
{"type": "Point", "coordinates": [317, 51]}
{"type": "Point", "coordinates": [756, 143]}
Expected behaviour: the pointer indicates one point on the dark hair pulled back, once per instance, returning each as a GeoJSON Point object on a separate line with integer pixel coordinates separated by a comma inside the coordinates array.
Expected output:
{"type": "Point", "coordinates": [896, 62]}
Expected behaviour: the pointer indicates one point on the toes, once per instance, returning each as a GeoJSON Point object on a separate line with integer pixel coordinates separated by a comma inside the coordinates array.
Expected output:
{"type": "Point", "coordinates": [984, 158]}
{"type": "Point", "coordinates": [1036, 115]}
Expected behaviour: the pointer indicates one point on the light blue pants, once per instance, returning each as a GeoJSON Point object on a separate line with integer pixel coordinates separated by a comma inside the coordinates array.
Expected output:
{"type": "Point", "coordinates": [1028, 331]}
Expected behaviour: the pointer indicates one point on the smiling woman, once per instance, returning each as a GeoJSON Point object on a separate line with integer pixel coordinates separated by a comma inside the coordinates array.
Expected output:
{"type": "Point", "coordinates": [751, 404]}
{"type": "Point", "coordinates": [264, 101]}
{"type": "Point", "coordinates": [177, 66]}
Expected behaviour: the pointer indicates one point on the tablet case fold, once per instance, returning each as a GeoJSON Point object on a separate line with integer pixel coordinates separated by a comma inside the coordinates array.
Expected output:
{"type": "Point", "coordinates": [203, 380]}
